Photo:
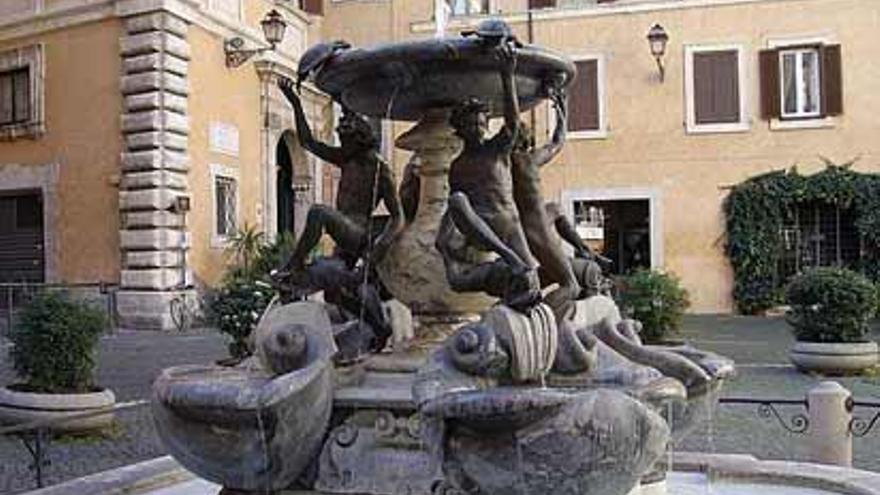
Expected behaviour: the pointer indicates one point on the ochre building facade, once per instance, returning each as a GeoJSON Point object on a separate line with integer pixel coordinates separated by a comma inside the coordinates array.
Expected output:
{"type": "Point", "coordinates": [111, 111]}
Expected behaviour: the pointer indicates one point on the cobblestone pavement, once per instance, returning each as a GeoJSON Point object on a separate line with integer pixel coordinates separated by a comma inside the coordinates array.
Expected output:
{"type": "Point", "coordinates": [128, 364]}
{"type": "Point", "coordinates": [129, 361]}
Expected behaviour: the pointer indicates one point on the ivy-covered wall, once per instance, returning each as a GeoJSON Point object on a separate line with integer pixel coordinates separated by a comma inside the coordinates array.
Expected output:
{"type": "Point", "coordinates": [757, 209]}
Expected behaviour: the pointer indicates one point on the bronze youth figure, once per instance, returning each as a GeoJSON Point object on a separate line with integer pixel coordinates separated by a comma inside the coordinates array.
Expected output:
{"type": "Point", "coordinates": [366, 180]}
{"type": "Point", "coordinates": [481, 206]}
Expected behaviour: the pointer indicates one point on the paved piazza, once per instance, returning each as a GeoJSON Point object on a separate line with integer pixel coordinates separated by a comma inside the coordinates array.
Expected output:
{"type": "Point", "coordinates": [129, 361]}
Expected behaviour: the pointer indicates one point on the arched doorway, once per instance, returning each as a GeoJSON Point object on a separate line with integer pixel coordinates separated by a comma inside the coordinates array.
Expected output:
{"type": "Point", "coordinates": [284, 195]}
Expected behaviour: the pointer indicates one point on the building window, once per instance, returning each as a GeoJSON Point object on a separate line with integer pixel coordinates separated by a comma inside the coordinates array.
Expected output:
{"type": "Point", "coordinates": [715, 89]}
{"type": "Point", "coordinates": [225, 189]}
{"type": "Point", "coordinates": [21, 93]}
{"type": "Point", "coordinates": [586, 100]}
{"type": "Point", "coordinates": [315, 7]}
{"type": "Point", "coordinates": [14, 96]}
{"type": "Point", "coordinates": [799, 77]}
{"type": "Point", "coordinates": [819, 234]}
{"type": "Point", "coordinates": [468, 7]}
{"type": "Point", "coordinates": [801, 82]}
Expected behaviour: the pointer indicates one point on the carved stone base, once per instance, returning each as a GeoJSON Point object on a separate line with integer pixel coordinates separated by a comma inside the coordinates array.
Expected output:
{"type": "Point", "coordinates": [377, 452]}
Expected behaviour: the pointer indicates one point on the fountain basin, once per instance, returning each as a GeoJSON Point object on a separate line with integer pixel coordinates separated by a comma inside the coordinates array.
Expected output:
{"type": "Point", "coordinates": [528, 440]}
{"type": "Point", "coordinates": [245, 427]}
{"type": "Point", "coordinates": [402, 81]}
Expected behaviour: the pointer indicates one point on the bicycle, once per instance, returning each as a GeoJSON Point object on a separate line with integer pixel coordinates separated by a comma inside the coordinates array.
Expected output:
{"type": "Point", "coordinates": [183, 311]}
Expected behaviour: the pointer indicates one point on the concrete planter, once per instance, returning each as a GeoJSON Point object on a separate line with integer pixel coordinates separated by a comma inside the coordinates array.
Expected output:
{"type": "Point", "coordinates": [26, 407]}
{"type": "Point", "coordinates": [834, 358]}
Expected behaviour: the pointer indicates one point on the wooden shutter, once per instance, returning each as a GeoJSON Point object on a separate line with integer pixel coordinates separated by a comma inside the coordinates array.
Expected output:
{"type": "Point", "coordinates": [6, 98]}
{"type": "Point", "coordinates": [771, 107]}
{"type": "Point", "coordinates": [541, 4]}
{"type": "Point", "coordinates": [21, 88]}
{"type": "Point", "coordinates": [583, 97]}
{"type": "Point", "coordinates": [21, 238]}
{"type": "Point", "coordinates": [313, 6]}
{"type": "Point", "coordinates": [716, 87]}
{"type": "Point", "coordinates": [832, 80]}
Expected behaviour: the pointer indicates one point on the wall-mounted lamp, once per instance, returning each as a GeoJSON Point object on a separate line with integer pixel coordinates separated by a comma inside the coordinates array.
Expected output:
{"type": "Point", "coordinates": [273, 30]}
{"type": "Point", "coordinates": [657, 39]}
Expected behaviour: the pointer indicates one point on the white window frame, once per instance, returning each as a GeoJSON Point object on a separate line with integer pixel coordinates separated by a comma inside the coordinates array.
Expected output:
{"type": "Point", "coordinates": [31, 57]}
{"type": "Point", "coordinates": [489, 9]}
{"type": "Point", "coordinates": [221, 171]}
{"type": "Point", "coordinates": [800, 90]}
{"type": "Point", "coordinates": [653, 195]}
{"type": "Point", "coordinates": [691, 125]}
{"type": "Point", "coordinates": [781, 43]}
{"type": "Point", "coordinates": [601, 80]}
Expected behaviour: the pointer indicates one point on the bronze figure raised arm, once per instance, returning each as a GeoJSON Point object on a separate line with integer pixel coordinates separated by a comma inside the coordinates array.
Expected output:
{"type": "Point", "coordinates": [481, 206]}
{"type": "Point", "coordinates": [351, 225]}
{"type": "Point", "coordinates": [526, 161]}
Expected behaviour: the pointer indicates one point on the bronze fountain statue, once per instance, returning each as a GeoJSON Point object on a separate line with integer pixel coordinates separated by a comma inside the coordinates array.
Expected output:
{"type": "Point", "coordinates": [538, 385]}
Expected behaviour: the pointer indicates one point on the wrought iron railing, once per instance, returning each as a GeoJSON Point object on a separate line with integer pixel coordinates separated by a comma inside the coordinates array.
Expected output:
{"type": "Point", "coordinates": [15, 295]}
{"type": "Point", "coordinates": [799, 423]}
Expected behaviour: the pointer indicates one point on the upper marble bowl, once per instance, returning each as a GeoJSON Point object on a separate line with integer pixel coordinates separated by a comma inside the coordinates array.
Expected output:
{"type": "Point", "coordinates": [401, 81]}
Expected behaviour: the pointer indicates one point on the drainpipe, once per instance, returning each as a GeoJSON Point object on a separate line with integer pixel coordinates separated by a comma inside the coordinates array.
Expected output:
{"type": "Point", "coordinates": [531, 39]}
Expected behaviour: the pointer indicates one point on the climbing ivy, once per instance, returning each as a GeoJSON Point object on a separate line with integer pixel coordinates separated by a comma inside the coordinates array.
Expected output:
{"type": "Point", "coordinates": [757, 209]}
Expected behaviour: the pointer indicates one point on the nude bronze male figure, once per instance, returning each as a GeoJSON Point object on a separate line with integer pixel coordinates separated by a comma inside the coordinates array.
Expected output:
{"type": "Point", "coordinates": [481, 207]}
{"type": "Point", "coordinates": [526, 162]}
{"type": "Point", "coordinates": [366, 181]}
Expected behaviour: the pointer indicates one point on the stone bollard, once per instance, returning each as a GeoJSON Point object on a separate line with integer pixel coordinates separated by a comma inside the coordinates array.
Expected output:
{"type": "Point", "coordinates": [830, 406]}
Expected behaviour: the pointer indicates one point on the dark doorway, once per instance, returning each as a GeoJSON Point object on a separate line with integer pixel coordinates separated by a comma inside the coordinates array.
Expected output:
{"type": "Point", "coordinates": [22, 257]}
{"type": "Point", "coordinates": [619, 229]}
{"type": "Point", "coordinates": [284, 181]}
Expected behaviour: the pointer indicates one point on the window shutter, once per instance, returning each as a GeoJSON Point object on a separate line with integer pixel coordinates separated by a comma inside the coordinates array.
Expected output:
{"type": "Point", "coordinates": [583, 98]}
{"type": "Point", "coordinates": [716, 87]}
{"type": "Point", "coordinates": [21, 88]}
{"type": "Point", "coordinates": [832, 80]}
{"type": "Point", "coordinates": [770, 99]}
{"type": "Point", "coordinates": [6, 98]}
{"type": "Point", "coordinates": [313, 6]}
{"type": "Point", "coordinates": [541, 4]}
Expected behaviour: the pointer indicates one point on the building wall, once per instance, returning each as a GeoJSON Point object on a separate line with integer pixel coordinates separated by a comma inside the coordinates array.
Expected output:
{"type": "Point", "coordinates": [229, 97]}
{"type": "Point", "coordinates": [648, 152]}
{"type": "Point", "coordinates": [83, 138]}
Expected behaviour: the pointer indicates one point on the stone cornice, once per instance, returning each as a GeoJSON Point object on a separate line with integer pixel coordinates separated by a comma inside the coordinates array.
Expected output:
{"type": "Point", "coordinates": [86, 11]}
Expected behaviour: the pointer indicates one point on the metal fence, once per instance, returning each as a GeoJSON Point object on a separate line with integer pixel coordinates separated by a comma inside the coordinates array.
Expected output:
{"type": "Point", "coordinates": [15, 296]}
{"type": "Point", "coordinates": [790, 429]}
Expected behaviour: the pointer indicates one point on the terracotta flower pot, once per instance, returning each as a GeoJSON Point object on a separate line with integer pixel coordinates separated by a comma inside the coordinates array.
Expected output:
{"type": "Point", "coordinates": [25, 407]}
{"type": "Point", "coordinates": [834, 358]}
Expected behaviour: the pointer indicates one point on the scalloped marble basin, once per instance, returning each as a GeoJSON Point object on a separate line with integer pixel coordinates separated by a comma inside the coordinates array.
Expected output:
{"type": "Point", "coordinates": [403, 80]}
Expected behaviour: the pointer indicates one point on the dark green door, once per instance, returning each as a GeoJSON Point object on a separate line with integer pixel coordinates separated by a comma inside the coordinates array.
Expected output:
{"type": "Point", "coordinates": [284, 195]}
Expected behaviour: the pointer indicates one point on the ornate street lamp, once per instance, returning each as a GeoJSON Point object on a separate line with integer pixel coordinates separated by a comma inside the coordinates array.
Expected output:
{"type": "Point", "coordinates": [657, 39]}
{"type": "Point", "coordinates": [273, 26]}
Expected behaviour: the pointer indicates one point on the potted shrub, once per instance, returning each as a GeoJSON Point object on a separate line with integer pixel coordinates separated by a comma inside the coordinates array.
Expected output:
{"type": "Point", "coordinates": [655, 299]}
{"type": "Point", "coordinates": [829, 315]}
{"type": "Point", "coordinates": [236, 306]}
{"type": "Point", "coordinates": [54, 347]}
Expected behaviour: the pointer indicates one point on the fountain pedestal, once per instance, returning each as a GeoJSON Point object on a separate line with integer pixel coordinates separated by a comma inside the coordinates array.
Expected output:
{"type": "Point", "coordinates": [413, 270]}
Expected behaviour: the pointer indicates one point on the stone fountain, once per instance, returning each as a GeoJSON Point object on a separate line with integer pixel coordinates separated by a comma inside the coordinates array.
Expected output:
{"type": "Point", "coordinates": [519, 396]}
